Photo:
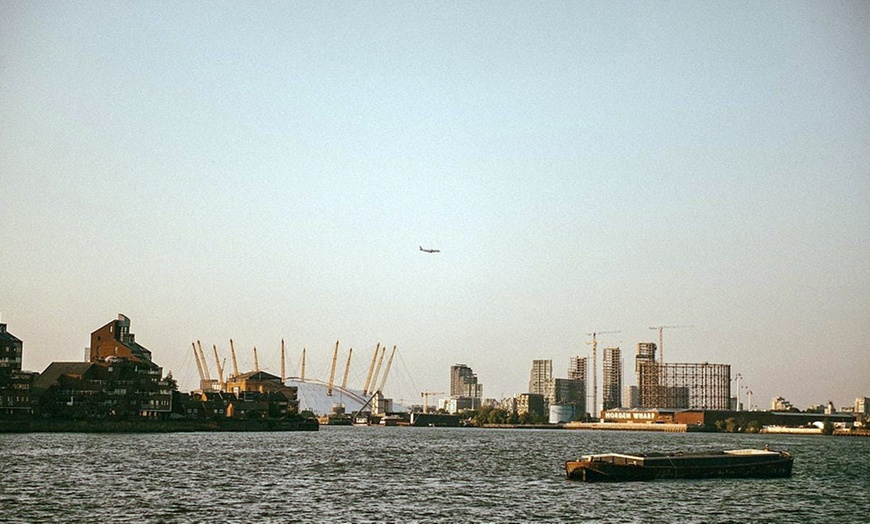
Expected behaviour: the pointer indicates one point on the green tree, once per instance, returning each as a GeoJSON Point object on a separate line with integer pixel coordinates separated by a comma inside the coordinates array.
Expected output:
{"type": "Point", "coordinates": [731, 425]}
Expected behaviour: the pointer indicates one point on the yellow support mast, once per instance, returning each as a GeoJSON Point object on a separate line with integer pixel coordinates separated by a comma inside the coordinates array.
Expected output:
{"type": "Point", "coordinates": [283, 373]}
{"type": "Point", "coordinates": [220, 368]}
{"type": "Point", "coordinates": [332, 370]}
{"type": "Point", "coordinates": [378, 370]}
{"type": "Point", "coordinates": [235, 362]}
{"type": "Point", "coordinates": [371, 369]}
{"type": "Point", "coordinates": [346, 369]}
{"type": "Point", "coordinates": [387, 369]}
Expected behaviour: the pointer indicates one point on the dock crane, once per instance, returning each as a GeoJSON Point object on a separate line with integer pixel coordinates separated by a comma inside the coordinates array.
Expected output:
{"type": "Point", "coordinates": [661, 347]}
{"type": "Point", "coordinates": [594, 345]}
{"type": "Point", "coordinates": [425, 396]}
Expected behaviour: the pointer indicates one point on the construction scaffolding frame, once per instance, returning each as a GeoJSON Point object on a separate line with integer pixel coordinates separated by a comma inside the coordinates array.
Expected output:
{"type": "Point", "coordinates": [684, 386]}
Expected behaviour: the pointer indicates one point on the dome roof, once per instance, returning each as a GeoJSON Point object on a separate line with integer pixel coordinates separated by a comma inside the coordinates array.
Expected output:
{"type": "Point", "coordinates": [312, 397]}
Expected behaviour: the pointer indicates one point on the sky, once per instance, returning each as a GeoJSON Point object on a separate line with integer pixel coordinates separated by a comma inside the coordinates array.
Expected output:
{"type": "Point", "coordinates": [267, 170]}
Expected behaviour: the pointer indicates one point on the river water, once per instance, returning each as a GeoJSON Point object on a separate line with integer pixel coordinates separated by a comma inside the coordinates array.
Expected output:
{"type": "Point", "coordinates": [396, 474]}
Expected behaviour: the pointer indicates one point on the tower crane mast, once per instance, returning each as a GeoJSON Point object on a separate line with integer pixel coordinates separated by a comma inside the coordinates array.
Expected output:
{"type": "Point", "coordinates": [594, 344]}
{"type": "Point", "coordinates": [661, 345]}
{"type": "Point", "coordinates": [425, 395]}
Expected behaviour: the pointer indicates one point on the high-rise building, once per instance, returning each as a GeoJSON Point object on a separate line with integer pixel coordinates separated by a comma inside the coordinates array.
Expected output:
{"type": "Point", "coordinates": [630, 397]}
{"type": "Point", "coordinates": [611, 383]}
{"type": "Point", "coordinates": [577, 373]}
{"type": "Point", "coordinates": [532, 403]}
{"type": "Point", "coordinates": [646, 352]}
{"type": "Point", "coordinates": [463, 382]}
{"type": "Point", "coordinates": [577, 369]}
{"type": "Point", "coordinates": [540, 381]}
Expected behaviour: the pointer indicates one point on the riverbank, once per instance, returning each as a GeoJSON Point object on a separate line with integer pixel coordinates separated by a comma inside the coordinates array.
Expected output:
{"type": "Point", "coordinates": [156, 426]}
{"type": "Point", "coordinates": [630, 426]}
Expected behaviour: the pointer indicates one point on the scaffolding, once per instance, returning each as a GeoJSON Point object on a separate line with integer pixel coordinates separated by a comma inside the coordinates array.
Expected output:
{"type": "Point", "coordinates": [684, 386]}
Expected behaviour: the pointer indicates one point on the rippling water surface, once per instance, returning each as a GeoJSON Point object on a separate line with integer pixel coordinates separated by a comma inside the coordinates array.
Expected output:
{"type": "Point", "coordinates": [353, 474]}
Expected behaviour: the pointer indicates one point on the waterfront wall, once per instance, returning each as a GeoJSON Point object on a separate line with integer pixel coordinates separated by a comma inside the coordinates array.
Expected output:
{"type": "Point", "coordinates": [629, 426]}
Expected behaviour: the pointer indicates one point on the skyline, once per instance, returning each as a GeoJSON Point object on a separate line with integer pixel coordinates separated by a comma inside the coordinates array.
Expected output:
{"type": "Point", "coordinates": [270, 171]}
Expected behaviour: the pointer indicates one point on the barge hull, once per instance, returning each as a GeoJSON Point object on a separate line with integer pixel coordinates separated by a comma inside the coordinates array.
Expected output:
{"type": "Point", "coordinates": [618, 468]}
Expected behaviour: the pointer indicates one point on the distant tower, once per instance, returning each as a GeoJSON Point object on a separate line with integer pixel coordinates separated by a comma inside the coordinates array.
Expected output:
{"type": "Point", "coordinates": [541, 378]}
{"type": "Point", "coordinates": [611, 383]}
{"type": "Point", "coordinates": [463, 382]}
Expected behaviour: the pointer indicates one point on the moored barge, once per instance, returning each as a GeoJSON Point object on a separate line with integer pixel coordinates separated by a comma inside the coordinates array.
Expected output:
{"type": "Point", "coordinates": [740, 463]}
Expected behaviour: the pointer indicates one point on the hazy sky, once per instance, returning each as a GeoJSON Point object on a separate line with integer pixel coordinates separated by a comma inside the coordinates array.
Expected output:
{"type": "Point", "coordinates": [266, 170]}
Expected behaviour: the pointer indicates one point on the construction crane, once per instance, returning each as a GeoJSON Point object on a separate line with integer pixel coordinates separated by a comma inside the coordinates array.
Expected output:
{"type": "Point", "coordinates": [346, 369]}
{"type": "Point", "coordinates": [332, 370]}
{"type": "Point", "coordinates": [661, 345]}
{"type": "Point", "coordinates": [235, 362]}
{"type": "Point", "coordinates": [371, 369]}
{"type": "Point", "coordinates": [425, 396]}
{"type": "Point", "coordinates": [387, 369]}
{"type": "Point", "coordinates": [594, 345]}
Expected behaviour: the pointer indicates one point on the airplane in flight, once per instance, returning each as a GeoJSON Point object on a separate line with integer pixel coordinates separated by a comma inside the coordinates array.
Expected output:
{"type": "Point", "coordinates": [429, 250]}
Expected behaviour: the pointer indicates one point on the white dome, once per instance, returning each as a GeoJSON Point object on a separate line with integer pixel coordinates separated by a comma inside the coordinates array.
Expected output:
{"type": "Point", "coordinates": [312, 397]}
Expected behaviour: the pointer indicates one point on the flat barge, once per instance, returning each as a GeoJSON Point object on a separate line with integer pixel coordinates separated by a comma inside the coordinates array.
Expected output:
{"type": "Point", "coordinates": [740, 463]}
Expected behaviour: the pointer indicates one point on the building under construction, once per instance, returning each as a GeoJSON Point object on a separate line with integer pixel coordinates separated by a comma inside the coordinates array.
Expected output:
{"type": "Point", "coordinates": [683, 386]}
{"type": "Point", "coordinates": [611, 383]}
